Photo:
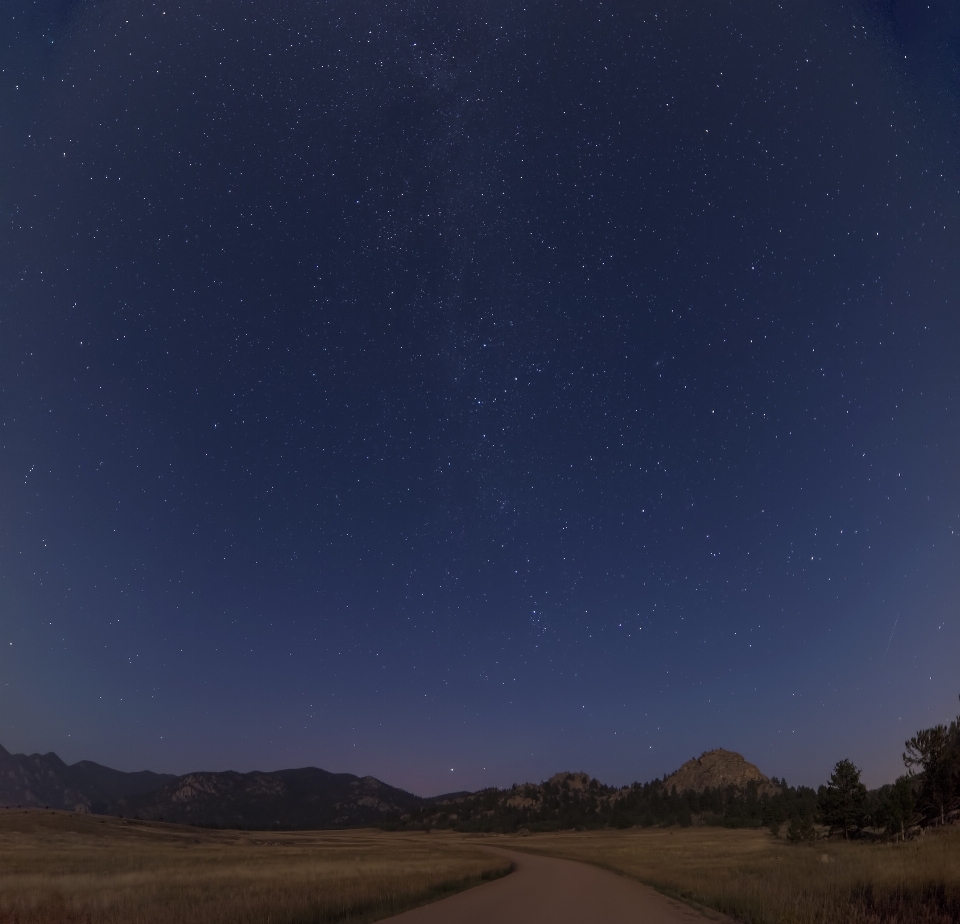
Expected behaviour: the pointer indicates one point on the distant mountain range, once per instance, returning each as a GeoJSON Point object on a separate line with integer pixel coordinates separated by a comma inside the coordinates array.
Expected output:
{"type": "Point", "coordinates": [286, 799]}
{"type": "Point", "coordinates": [305, 798]}
{"type": "Point", "coordinates": [312, 798]}
{"type": "Point", "coordinates": [45, 780]}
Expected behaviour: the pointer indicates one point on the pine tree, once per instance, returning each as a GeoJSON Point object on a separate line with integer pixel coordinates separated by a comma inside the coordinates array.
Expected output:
{"type": "Point", "coordinates": [842, 803]}
{"type": "Point", "coordinates": [902, 803]}
{"type": "Point", "coordinates": [936, 753]}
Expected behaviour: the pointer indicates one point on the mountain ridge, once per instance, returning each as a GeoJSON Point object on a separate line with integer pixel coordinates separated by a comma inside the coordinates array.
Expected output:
{"type": "Point", "coordinates": [86, 786]}
{"type": "Point", "coordinates": [301, 798]}
{"type": "Point", "coordinates": [312, 798]}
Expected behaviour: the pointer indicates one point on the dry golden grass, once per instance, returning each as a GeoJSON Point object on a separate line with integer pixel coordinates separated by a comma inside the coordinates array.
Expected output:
{"type": "Point", "coordinates": [66, 868]}
{"type": "Point", "coordinates": [760, 879]}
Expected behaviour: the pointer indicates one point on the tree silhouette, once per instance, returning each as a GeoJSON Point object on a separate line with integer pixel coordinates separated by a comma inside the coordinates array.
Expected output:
{"type": "Point", "coordinates": [896, 807]}
{"type": "Point", "coordinates": [842, 803]}
{"type": "Point", "coordinates": [936, 752]}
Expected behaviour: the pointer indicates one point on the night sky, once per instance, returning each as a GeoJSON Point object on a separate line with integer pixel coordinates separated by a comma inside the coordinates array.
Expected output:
{"type": "Point", "coordinates": [463, 392]}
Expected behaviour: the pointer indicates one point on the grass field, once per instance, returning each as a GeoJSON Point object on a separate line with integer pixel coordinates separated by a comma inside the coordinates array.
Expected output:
{"type": "Point", "coordinates": [64, 868]}
{"type": "Point", "coordinates": [760, 879]}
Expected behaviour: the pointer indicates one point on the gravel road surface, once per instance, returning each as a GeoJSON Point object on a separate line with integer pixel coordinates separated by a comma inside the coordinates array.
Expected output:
{"type": "Point", "coordinates": [543, 890]}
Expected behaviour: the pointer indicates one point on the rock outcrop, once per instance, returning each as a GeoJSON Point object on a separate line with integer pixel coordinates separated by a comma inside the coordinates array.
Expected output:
{"type": "Point", "coordinates": [719, 769]}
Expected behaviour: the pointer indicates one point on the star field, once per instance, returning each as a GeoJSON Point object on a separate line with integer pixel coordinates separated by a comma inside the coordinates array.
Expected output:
{"type": "Point", "coordinates": [504, 388]}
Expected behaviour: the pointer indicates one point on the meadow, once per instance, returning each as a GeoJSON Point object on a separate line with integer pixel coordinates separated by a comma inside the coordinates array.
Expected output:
{"type": "Point", "coordinates": [65, 868]}
{"type": "Point", "coordinates": [761, 879]}
{"type": "Point", "coordinates": [86, 869]}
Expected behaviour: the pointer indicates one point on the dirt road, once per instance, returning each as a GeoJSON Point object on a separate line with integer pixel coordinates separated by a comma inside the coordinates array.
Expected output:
{"type": "Point", "coordinates": [543, 890]}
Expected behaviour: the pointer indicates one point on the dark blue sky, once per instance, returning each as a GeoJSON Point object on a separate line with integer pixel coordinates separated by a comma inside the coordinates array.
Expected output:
{"type": "Point", "coordinates": [403, 387]}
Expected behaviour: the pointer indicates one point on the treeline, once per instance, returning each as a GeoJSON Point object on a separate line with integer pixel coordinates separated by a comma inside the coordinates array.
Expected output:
{"type": "Point", "coordinates": [557, 806]}
{"type": "Point", "coordinates": [652, 804]}
{"type": "Point", "coordinates": [927, 794]}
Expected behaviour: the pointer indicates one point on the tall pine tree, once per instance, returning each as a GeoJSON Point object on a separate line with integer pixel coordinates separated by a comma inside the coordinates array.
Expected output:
{"type": "Point", "coordinates": [842, 803]}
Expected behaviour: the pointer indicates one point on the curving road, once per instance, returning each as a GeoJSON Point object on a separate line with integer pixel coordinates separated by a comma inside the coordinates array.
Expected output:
{"type": "Point", "coordinates": [544, 890]}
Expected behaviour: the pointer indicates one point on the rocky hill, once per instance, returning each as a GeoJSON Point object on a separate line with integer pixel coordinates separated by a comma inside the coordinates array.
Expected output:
{"type": "Point", "coordinates": [718, 769]}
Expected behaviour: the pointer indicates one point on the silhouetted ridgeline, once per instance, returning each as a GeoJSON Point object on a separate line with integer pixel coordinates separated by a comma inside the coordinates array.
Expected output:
{"type": "Point", "coordinates": [291, 799]}
{"type": "Point", "coordinates": [45, 780]}
{"type": "Point", "coordinates": [717, 788]}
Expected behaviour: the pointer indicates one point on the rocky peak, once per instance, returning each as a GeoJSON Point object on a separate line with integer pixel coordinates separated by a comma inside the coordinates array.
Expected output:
{"type": "Point", "coordinates": [718, 769]}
